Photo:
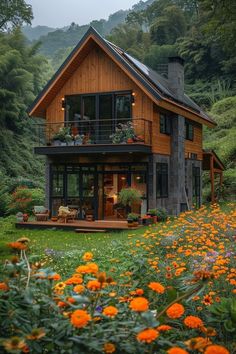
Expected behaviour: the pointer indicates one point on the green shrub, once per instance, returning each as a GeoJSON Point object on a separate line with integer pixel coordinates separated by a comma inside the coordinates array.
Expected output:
{"type": "Point", "coordinates": [23, 199]}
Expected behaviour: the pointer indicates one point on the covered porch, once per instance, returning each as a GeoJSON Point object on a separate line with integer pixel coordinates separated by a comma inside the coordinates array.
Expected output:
{"type": "Point", "coordinates": [213, 164]}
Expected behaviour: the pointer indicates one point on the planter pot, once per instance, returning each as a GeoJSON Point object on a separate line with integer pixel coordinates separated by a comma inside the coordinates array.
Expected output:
{"type": "Point", "coordinates": [56, 143]}
{"type": "Point", "coordinates": [135, 224]}
{"type": "Point", "coordinates": [154, 219]}
{"type": "Point", "coordinates": [130, 141]}
{"type": "Point", "coordinates": [19, 218]}
{"type": "Point", "coordinates": [71, 143]}
{"type": "Point", "coordinates": [78, 142]}
{"type": "Point", "coordinates": [63, 143]}
{"type": "Point", "coordinates": [25, 217]}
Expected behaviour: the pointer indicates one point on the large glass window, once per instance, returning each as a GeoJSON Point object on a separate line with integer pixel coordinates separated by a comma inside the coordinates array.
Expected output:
{"type": "Point", "coordinates": [162, 180]}
{"type": "Point", "coordinates": [73, 185]}
{"type": "Point", "coordinates": [73, 108]}
{"type": "Point", "coordinates": [123, 107]}
{"type": "Point", "coordinates": [105, 117]}
{"type": "Point", "coordinates": [58, 184]}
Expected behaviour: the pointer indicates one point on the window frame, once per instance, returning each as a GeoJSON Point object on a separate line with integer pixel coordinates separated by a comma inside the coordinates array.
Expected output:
{"type": "Point", "coordinates": [165, 126]}
{"type": "Point", "coordinates": [189, 130]}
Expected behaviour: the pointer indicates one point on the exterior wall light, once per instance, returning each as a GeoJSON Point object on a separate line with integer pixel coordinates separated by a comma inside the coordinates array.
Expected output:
{"type": "Point", "coordinates": [63, 104]}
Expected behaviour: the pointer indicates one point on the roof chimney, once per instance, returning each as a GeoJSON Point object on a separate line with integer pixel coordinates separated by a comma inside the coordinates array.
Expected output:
{"type": "Point", "coordinates": [176, 76]}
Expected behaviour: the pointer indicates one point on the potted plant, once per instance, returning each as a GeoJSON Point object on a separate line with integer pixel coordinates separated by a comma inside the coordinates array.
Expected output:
{"type": "Point", "coordinates": [129, 196]}
{"type": "Point", "coordinates": [69, 139]}
{"type": "Point", "coordinates": [153, 214]}
{"type": "Point", "coordinates": [60, 137]}
{"type": "Point", "coordinates": [161, 214]}
{"type": "Point", "coordinates": [78, 139]}
{"type": "Point", "coordinates": [133, 220]}
{"type": "Point", "coordinates": [25, 217]}
{"type": "Point", "coordinates": [19, 216]}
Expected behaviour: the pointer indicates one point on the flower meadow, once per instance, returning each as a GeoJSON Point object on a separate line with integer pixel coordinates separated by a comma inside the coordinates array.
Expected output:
{"type": "Point", "coordinates": [172, 290]}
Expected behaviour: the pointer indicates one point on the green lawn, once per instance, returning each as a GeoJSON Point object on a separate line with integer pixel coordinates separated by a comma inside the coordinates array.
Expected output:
{"type": "Point", "coordinates": [64, 247]}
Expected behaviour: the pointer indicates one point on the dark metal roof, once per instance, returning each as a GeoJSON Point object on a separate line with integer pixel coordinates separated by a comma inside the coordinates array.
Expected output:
{"type": "Point", "coordinates": [156, 84]}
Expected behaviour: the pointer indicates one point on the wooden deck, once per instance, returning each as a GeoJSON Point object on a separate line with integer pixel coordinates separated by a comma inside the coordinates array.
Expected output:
{"type": "Point", "coordinates": [87, 226]}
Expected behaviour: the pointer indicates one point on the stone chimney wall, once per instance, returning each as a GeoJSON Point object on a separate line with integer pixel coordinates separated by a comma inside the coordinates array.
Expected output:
{"type": "Point", "coordinates": [176, 76]}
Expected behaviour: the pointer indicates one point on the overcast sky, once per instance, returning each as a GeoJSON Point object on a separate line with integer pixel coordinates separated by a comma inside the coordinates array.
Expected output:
{"type": "Point", "coordinates": [59, 13]}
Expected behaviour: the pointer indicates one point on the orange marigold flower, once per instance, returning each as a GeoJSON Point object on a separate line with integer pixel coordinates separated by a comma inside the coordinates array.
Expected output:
{"type": "Point", "coordinates": [110, 311]}
{"type": "Point", "coordinates": [14, 343]}
{"type": "Point", "coordinates": [163, 328]}
{"type": "Point", "coordinates": [80, 318]}
{"type": "Point", "coordinates": [139, 292]}
{"type": "Point", "coordinates": [147, 336]}
{"type": "Point", "coordinates": [94, 285]}
{"type": "Point", "coordinates": [17, 245]}
{"type": "Point", "coordinates": [175, 311]}
{"type": "Point", "coordinates": [88, 256]}
{"type": "Point", "coordinates": [93, 268]}
{"type": "Point", "coordinates": [79, 289]}
{"type": "Point", "coordinates": [3, 286]}
{"type": "Point", "coordinates": [193, 322]}
{"type": "Point", "coordinates": [109, 348]}
{"type": "Point", "coordinates": [54, 277]}
{"type": "Point", "coordinates": [207, 300]}
{"type": "Point", "coordinates": [83, 269]}
{"type": "Point", "coordinates": [36, 333]}
{"type": "Point", "coordinates": [157, 287]}
{"type": "Point", "coordinates": [139, 304]}
{"type": "Point", "coordinates": [216, 349]}
{"type": "Point", "coordinates": [176, 350]}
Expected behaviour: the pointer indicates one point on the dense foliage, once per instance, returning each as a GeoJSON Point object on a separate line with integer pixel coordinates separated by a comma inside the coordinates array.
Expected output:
{"type": "Point", "coordinates": [170, 290]}
{"type": "Point", "coordinates": [23, 73]}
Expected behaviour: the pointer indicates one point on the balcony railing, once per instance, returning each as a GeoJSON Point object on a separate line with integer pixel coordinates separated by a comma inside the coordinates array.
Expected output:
{"type": "Point", "coordinates": [90, 132]}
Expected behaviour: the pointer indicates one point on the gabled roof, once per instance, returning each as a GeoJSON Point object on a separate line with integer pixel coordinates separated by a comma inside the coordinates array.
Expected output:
{"type": "Point", "coordinates": [151, 82]}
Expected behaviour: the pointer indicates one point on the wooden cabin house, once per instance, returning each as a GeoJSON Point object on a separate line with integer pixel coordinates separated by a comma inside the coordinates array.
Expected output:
{"type": "Point", "coordinates": [112, 122]}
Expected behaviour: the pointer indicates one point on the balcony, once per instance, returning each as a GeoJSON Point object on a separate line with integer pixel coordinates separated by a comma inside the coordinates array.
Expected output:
{"type": "Point", "coordinates": [94, 136]}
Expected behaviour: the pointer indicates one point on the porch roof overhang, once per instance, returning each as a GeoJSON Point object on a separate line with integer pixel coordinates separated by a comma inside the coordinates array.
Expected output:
{"type": "Point", "coordinates": [211, 160]}
{"type": "Point", "coordinates": [102, 149]}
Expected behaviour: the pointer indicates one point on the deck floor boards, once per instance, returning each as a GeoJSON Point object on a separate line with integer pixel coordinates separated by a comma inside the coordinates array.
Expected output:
{"type": "Point", "coordinates": [78, 224]}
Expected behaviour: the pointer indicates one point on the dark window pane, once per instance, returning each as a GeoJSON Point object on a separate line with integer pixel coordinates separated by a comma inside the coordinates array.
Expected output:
{"type": "Point", "coordinates": [189, 131]}
{"type": "Point", "coordinates": [57, 184]}
{"type": "Point", "coordinates": [162, 124]}
{"type": "Point", "coordinates": [87, 125]}
{"type": "Point", "coordinates": [72, 185]}
{"type": "Point", "coordinates": [88, 185]}
{"type": "Point", "coordinates": [162, 180]}
{"type": "Point", "coordinates": [105, 117]}
{"type": "Point", "coordinates": [73, 108]}
{"type": "Point", "coordinates": [123, 107]}
{"type": "Point", "coordinates": [165, 124]}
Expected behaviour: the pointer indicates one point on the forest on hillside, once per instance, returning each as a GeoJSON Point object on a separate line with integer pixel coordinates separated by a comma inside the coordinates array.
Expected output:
{"type": "Point", "coordinates": [203, 32]}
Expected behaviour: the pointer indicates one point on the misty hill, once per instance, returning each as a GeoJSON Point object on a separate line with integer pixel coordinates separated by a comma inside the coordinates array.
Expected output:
{"type": "Point", "coordinates": [53, 40]}
{"type": "Point", "coordinates": [34, 33]}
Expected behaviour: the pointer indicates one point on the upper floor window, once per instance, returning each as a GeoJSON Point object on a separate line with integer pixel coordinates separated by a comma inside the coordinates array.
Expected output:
{"type": "Point", "coordinates": [189, 130]}
{"type": "Point", "coordinates": [165, 124]}
{"type": "Point", "coordinates": [162, 180]}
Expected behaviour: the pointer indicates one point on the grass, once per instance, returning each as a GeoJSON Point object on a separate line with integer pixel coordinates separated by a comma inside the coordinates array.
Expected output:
{"type": "Point", "coordinates": [63, 246]}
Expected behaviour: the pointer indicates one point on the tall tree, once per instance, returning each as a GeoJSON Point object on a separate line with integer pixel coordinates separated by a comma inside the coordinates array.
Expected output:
{"type": "Point", "coordinates": [14, 13]}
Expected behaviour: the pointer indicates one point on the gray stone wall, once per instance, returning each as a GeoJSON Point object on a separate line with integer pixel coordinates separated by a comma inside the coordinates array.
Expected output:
{"type": "Point", "coordinates": [189, 164]}
{"type": "Point", "coordinates": [177, 166]}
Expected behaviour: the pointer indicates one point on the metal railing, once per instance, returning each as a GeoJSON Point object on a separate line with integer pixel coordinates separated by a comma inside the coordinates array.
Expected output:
{"type": "Point", "coordinates": [102, 131]}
